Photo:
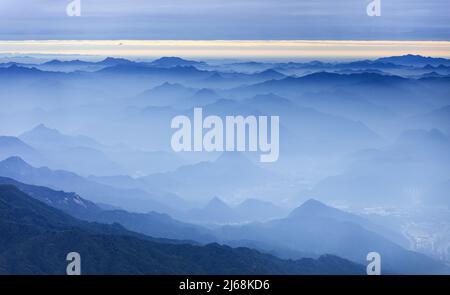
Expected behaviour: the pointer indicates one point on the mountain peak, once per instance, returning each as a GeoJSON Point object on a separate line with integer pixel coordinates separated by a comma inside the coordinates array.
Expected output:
{"type": "Point", "coordinates": [271, 71]}
{"type": "Point", "coordinates": [115, 61]}
{"type": "Point", "coordinates": [41, 130]}
{"type": "Point", "coordinates": [173, 61]}
{"type": "Point", "coordinates": [169, 86]}
{"type": "Point", "coordinates": [312, 207]}
{"type": "Point", "coordinates": [216, 200]}
{"type": "Point", "coordinates": [53, 62]}
{"type": "Point", "coordinates": [206, 94]}
{"type": "Point", "coordinates": [42, 126]}
{"type": "Point", "coordinates": [217, 203]}
{"type": "Point", "coordinates": [57, 62]}
{"type": "Point", "coordinates": [415, 60]}
{"type": "Point", "coordinates": [271, 74]}
{"type": "Point", "coordinates": [169, 58]}
{"type": "Point", "coordinates": [14, 162]}
{"type": "Point", "coordinates": [19, 69]}
{"type": "Point", "coordinates": [313, 203]}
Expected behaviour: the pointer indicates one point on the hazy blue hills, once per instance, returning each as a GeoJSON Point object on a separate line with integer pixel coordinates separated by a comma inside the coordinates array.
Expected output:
{"type": "Point", "coordinates": [394, 175]}
{"type": "Point", "coordinates": [71, 203]}
{"type": "Point", "coordinates": [81, 65]}
{"type": "Point", "coordinates": [315, 209]}
{"type": "Point", "coordinates": [165, 94]}
{"type": "Point", "coordinates": [136, 199]}
{"type": "Point", "coordinates": [315, 227]}
{"type": "Point", "coordinates": [175, 95]}
{"type": "Point", "coordinates": [415, 60]}
{"type": "Point", "coordinates": [368, 64]}
{"type": "Point", "coordinates": [80, 154]}
{"type": "Point", "coordinates": [13, 146]}
{"type": "Point", "coordinates": [86, 156]}
{"type": "Point", "coordinates": [36, 238]}
{"type": "Point", "coordinates": [211, 212]}
{"type": "Point", "coordinates": [437, 118]}
{"type": "Point", "coordinates": [322, 80]}
{"type": "Point", "coordinates": [184, 72]}
{"type": "Point", "coordinates": [303, 130]}
{"type": "Point", "coordinates": [109, 61]}
{"type": "Point", "coordinates": [114, 61]}
{"type": "Point", "coordinates": [404, 60]}
{"type": "Point", "coordinates": [19, 70]}
{"type": "Point", "coordinates": [171, 61]}
{"type": "Point", "coordinates": [259, 210]}
{"type": "Point", "coordinates": [42, 136]}
{"type": "Point", "coordinates": [371, 136]}
{"type": "Point", "coordinates": [217, 212]}
{"type": "Point", "coordinates": [263, 70]}
{"type": "Point", "coordinates": [152, 224]}
{"type": "Point", "coordinates": [409, 60]}
{"type": "Point", "coordinates": [269, 74]}
{"type": "Point", "coordinates": [201, 181]}
{"type": "Point", "coordinates": [56, 62]}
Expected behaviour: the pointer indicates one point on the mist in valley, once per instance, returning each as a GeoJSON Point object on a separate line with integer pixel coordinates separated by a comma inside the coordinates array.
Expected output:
{"type": "Point", "coordinates": [364, 155]}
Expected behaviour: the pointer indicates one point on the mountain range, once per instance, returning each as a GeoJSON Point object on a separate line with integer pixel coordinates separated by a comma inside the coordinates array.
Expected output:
{"type": "Point", "coordinates": [315, 227]}
{"type": "Point", "coordinates": [304, 230]}
{"type": "Point", "coordinates": [151, 224]}
{"type": "Point", "coordinates": [136, 200]}
{"type": "Point", "coordinates": [365, 141]}
{"type": "Point", "coordinates": [36, 238]}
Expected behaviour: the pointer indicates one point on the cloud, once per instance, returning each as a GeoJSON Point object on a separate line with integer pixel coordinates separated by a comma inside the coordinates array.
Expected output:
{"type": "Point", "coordinates": [232, 19]}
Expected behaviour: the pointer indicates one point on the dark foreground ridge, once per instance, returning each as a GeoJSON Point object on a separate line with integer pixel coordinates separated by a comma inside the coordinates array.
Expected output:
{"type": "Point", "coordinates": [35, 239]}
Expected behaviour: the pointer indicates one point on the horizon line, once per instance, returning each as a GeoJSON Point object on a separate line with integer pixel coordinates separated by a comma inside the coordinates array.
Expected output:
{"type": "Point", "coordinates": [228, 48]}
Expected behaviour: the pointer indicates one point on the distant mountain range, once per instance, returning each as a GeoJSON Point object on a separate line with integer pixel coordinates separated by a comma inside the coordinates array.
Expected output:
{"type": "Point", "coordinates": [415, 60]}
{"type": "Point", "coordinates": [371, 136]}
{"type": "Point", "coordinates": [394, 176]}
{"type": "Point", "coordinates": [35, 239]}
{"type": "Point", "coordinates": [168, 62]}
{"type": "Point", "coordinates": [151, 224]}
{"type": "Point", "coordinates": [84, 155]}
{"type": "Point", "coordinates": [200, 181]}
{"type": "Point", "coordinates": [302, 128]}
{"type": "Point", "coordinates": [393, 63]}
{"type": "Point", "coordinates": [311, 222]}
{"type": "Point", "coordinates": [270, 70]}
{"type": "Point", "coordinates": [13, 146]}
{"type": "Point", "coordinates": [217, 211]}
{"type": "Point", "coordinates": [136, 200]}
{"type": "Point", "coordinates": [113, 61]}
{"type": "Point", "coordinates": [81, 154]}
{"type": "Point", "coordinates": [315, 227]}
{"type": "Point", "coordinates": [108, 190]}
{"type": "Point", "coordinates": [43, 137]}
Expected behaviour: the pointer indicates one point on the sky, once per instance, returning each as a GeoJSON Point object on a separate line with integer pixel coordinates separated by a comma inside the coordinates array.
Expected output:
{"type": "Point", "coordinates": [226, 29]}
{"type": "Point", "coordinates": [225, 20]}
